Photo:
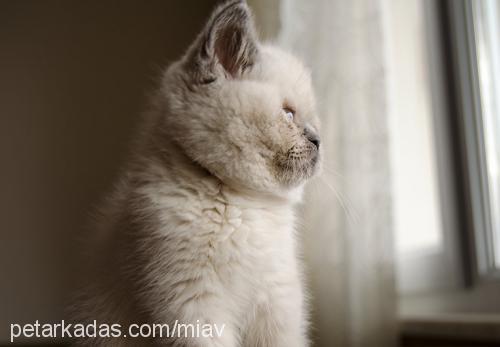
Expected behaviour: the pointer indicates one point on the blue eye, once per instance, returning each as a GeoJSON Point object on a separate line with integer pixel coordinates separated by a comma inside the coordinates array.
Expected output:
{"type": "Point", "coordinates": [288, 113]}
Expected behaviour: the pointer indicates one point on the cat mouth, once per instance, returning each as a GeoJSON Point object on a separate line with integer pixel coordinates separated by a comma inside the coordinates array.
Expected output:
{"type": "Point", "coordinates": [295, 167]}
{"type": "Point", "coordinates": [315, 159]}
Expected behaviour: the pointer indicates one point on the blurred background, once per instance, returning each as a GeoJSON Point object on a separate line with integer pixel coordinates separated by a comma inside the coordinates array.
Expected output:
{"type": "Point", "coordinates": [401, 233]}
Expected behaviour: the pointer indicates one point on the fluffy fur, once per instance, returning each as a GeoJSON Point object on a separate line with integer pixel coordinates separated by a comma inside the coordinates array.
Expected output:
{"type": "Point", "coordinates": [201, 226]}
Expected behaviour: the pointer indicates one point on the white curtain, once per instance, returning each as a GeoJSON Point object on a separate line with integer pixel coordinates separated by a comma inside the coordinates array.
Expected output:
{"type": "Point", "coordinates": [347, 223]}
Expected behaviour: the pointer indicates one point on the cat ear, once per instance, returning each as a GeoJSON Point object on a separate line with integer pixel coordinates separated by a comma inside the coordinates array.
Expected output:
{"type": "Point", "coordinates": [228, 45]}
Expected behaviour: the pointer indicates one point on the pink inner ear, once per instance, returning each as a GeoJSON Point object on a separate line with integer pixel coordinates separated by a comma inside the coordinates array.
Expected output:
{"type": "Point", "coordinates": [228, 41]}
{"type": "Point", "coordinates": [228, 48]}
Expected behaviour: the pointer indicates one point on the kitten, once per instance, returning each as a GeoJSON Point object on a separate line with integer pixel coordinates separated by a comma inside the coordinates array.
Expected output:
{"type": "Point", "coordinates": [200, 228]}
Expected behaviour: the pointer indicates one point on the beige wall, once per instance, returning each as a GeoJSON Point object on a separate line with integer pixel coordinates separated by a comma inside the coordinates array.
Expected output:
{"type": "Point", "coordinates": [73, 80]}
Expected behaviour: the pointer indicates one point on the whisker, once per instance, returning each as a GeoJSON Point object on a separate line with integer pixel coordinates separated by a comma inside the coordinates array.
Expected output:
{"type": "Point", "coordinates": [333, 172]}
{"type": "Point", "coordinates": [344, 202]}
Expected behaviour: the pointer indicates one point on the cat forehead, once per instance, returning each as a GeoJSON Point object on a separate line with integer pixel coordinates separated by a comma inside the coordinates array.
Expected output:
{"type": "Point", "coordinates": [285, 70]}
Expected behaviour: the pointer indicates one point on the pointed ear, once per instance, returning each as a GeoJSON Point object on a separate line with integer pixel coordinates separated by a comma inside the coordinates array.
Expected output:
{"type": "Point", "coordinates": [228, 44]}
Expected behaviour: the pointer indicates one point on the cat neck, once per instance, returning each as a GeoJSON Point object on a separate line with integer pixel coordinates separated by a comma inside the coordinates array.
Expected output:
{"type": "Point", "coordinates": [166, 161]}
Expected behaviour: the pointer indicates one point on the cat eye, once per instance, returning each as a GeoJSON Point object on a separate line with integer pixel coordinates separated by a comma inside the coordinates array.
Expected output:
{"type": "Point", "coordinates": [288, 113]}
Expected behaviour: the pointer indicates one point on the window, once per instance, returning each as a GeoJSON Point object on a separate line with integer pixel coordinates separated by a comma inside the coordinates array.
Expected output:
{"type": "Point", "coordinates": [448, 231]}
{"type": "Point", "coordinates": [475, 36]}
{"type": "Point", "coordinates": [427, 244]}
{"type": "Point", "coordinates": [486, 27]}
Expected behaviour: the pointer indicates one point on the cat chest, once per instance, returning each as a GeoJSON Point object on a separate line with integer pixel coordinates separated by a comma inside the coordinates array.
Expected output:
{"type": "Point", "coordinates": [244, 237]}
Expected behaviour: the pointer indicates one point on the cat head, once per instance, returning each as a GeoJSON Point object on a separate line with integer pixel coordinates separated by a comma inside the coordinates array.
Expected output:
{"type": "Point", "coordinates": [243, 110]}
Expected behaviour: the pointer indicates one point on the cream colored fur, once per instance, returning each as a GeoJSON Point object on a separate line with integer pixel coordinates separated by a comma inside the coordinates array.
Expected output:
{"type": "Point", "coordinates": [201, 225]}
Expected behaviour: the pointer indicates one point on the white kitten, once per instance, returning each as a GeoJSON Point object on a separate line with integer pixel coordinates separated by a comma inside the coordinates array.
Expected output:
{"type": "Point", "coordinates": [201, 226]}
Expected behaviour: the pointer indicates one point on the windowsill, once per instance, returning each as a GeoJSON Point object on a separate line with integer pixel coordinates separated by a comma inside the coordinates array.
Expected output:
{"type": "Point", "coordinates": [467, 316]}
{"type": "Point", "coordinates": [463, 328]}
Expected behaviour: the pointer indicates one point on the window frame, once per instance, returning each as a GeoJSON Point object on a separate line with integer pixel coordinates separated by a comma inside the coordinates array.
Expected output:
{"type": "Point", "coordinates": [477, 229]}
{"type": "Point", "coordinates": [475, 299]}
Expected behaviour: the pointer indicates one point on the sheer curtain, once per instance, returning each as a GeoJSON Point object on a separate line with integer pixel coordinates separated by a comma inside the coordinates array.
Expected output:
{"type": "Point", "coordinates": [347, 223]}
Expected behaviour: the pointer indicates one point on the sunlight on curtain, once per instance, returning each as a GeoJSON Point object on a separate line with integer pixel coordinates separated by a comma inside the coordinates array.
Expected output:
{"type": "Point", "coordinates": [347, 228]}
{"type": "Point", "coordinates": [417, 215]}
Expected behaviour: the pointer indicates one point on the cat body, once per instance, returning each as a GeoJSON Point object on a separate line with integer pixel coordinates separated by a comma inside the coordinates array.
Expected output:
{"type": "Point", "coordinates": [200, 229]}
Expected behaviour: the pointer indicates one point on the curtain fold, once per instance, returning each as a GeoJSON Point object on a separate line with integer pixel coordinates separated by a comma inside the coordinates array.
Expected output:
{"type": "Point", "coordinates": [347, 223]}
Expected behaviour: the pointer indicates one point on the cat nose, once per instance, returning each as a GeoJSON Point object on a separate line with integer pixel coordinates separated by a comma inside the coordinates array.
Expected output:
{"type": "Point", "coordinates": [311, 136]}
